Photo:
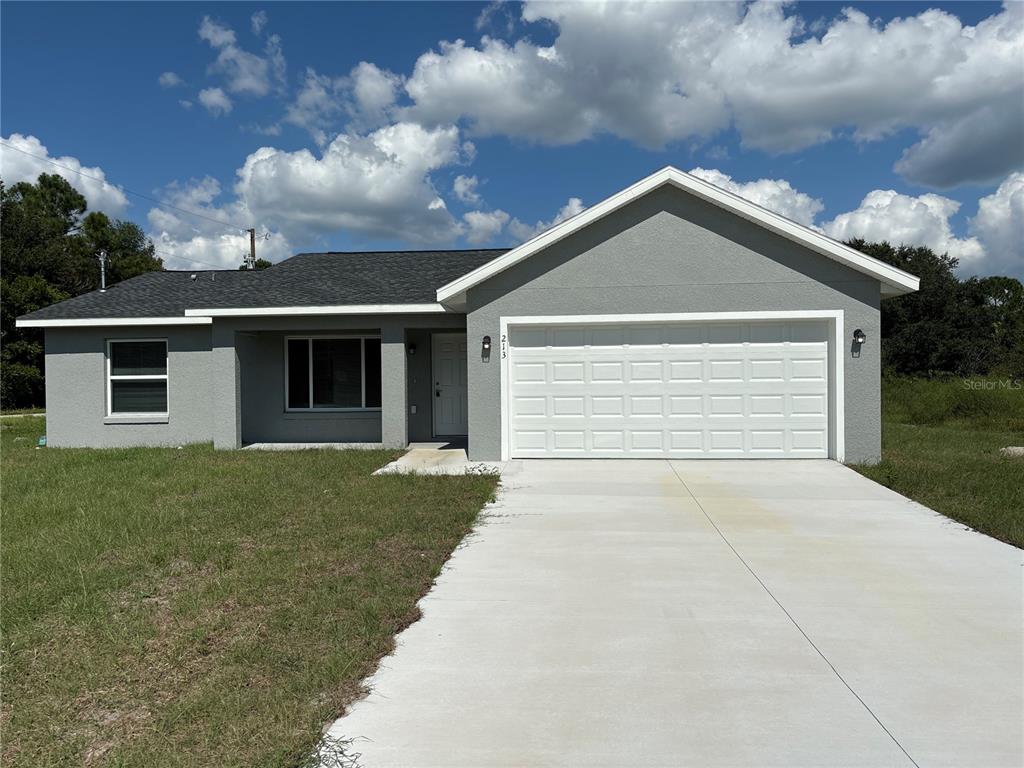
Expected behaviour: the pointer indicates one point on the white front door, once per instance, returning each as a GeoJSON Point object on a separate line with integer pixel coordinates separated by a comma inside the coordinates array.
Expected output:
{"type": "Point", "coordinates": [669, 390]}
{"type": "Point", "coordinates": [451, 397]}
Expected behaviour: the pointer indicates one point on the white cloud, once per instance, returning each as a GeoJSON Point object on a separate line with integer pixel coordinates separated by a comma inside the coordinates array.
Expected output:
{"type": "Point", "coordinates": [16, 166]}
{"type": "Point", "coordinates": [374, 184]}
{"type": "Point", "coordinates": [170, 80]}
{"type": "Point", "coordinates": [194, 242]}
{"type": "Point", "coordinates": [366, 96]}
{"type": "Point", "coordinates": [484, 226]}
{"type": "Point", "coordinates": [244, 72]}
{"type": "Point", "coordinates": [776, 195]}
{"type": "Point", "coordinates": [524, 232]}
{"type": "Point", "coordinates": [317, 105]}
{"type": "Point", "coordinates": [995, 244]}
{"type": "Point", "coordinates": [217, 35]}
{"type": "Point", "coordinates": [216, 101]}
{"type": "Point", "coordinates": [885, 214]}
{"type": "Point", "coordinates": [496, 16]}
{"type": "Point", "coordinates": [219, 251]}
{"type": "Point", "coordinates": [999, 224]}
{"type": "Point", "coordinates": [465, 189]}
{"type": "Point", "coordinates": [657, 73]}
{"type": "Point", "coordinates": [185, 103]}
{"type": "Point", "coordinates": [258, 21]}
{"type": "Point", "coordinates": [374, 91]}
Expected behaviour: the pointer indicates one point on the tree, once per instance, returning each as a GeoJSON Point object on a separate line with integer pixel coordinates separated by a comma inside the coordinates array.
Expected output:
{"type": "Point", "coordinates": [48, 248]}
{"type": "Point", "coordinates": [949, 326]}
{"type": "Point", "coordinates": [260, 264]}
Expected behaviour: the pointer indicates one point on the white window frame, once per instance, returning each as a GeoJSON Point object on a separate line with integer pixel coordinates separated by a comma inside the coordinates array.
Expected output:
{"type": "Point", "coordinates": [309, 354]}
{"type": "Point", "coordinates": [111, 378]}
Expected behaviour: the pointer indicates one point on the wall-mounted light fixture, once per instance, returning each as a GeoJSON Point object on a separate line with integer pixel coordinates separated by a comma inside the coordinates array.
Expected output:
{"type": "Point", "coordinates": [859, 337]}
{"type": "Point", "coordinates": [411, 349]}
{"type": "Point", "coordinates": [486, 346]}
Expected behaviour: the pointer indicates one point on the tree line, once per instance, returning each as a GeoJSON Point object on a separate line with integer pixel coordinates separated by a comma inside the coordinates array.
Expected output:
{"type": "Point", "coordinates": [49, 244]}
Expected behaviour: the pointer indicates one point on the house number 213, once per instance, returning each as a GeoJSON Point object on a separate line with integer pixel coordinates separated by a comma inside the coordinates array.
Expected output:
{"type": "Point", "coordinates": [504, 346]}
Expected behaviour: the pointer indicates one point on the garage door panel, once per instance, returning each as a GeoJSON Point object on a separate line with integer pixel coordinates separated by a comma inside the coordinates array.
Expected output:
{"type": "Point", "coordinates": [675, 390]}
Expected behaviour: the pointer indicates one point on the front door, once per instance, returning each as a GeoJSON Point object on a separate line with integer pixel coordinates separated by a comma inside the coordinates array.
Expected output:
{"type": "Point", "coordinates": [450, 394]}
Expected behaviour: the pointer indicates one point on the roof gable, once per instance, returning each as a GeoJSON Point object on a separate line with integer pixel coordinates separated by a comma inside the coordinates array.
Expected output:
{"type": "Point", "coordinates": [893, 281]}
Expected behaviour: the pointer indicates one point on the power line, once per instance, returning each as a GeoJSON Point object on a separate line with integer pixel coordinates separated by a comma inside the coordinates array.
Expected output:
{"type": "Point", "coordinates": [125, 189]}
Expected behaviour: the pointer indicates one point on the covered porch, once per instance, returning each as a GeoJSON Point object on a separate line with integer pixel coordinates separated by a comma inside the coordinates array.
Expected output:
{"type": "Point", "coordinates": [347, 380]}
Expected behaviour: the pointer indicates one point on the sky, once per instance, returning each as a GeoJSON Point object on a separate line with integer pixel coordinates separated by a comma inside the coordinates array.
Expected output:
{"type": "Point", "coordinates": [352, 126]}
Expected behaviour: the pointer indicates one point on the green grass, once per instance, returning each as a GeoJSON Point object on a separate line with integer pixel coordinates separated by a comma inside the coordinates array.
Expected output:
{"type": "Point", "coordinates": [940, 446]}
{"type": "Point", "coordinates": [188, 607]}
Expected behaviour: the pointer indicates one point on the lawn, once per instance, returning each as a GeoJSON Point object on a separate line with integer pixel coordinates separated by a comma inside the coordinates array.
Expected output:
{"type": "Point", "coordinates": [940, 446]}
{"type": "Point", "coordinates": [188, 607]}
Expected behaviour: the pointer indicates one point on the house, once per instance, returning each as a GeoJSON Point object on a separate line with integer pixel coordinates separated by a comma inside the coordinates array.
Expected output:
{"type": "Point", "coordinates": [672, 319]}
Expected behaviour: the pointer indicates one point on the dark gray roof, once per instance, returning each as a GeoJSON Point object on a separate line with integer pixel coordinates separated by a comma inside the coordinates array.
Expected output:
{"type": "Point", "coordinates": [309, 279]}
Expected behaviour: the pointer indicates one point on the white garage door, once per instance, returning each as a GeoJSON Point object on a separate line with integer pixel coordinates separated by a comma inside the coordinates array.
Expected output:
{"type": "Point", "coordinates": [680, 390]}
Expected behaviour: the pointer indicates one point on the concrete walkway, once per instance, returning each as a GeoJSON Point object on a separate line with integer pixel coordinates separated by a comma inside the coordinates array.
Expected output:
{"type": "Point", "coordinates": [653, 613]}
{"type": "Point", "coordinates": [438, 458]}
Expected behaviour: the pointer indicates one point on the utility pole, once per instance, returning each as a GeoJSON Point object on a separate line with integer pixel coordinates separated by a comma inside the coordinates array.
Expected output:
{"type": "Point", "coordinates": [251, 261]}
{"type": "Point", "coordinates": [103, 271]}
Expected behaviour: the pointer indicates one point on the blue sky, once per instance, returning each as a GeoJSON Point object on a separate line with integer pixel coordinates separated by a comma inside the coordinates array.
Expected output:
{"type": "Point", "coordinates": [541, 111]}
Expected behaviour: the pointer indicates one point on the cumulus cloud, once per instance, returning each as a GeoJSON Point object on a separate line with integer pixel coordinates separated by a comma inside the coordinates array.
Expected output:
{"type": "Point", "coordinates": [776, 195]}
{"type": "Point", "coordinates": [464, 188]}
{"type": "Point", "coordinates": [185, 104]}
{"type": "Point", "coordinates": [484, 226]}
{"type": "Point", "coordinates": [216, 101]}
{"type": "Point", "coordinates": [976, 148]}
{"type": "Point", "coordinates": [995, 242]}
{"type": "Point", "coordinates": [999, 224]}
{"type": "Point", "coordinates": [524, 232]}
{"type": "Point", "coordinates": [656, 73]}
{"type": "Point", "coordinates": [217, 35]}
{"type": "Point", "coordinates": [219, 250]}
{"type": "Point", "coordinates": [885, 214]}
{"type": "Point", "coordinates": [258, 21]}
{"type": "Point", "coordinates": [244, 72]}
{"type": "Point", "coordinates": [365, 96]}
{"type": "Point", "coordinates": [374, 92]}
{"type": "Point", "coordinates": [192, 242]}
{"type": "Point", "coordinates": [17, 166]}
{"type": "Point", "coordinates": [169, 80]}
{"type": "Point", "coordinates": [374, 184]}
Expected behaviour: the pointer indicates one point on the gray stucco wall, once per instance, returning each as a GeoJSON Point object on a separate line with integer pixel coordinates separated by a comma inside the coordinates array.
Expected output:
{"type": "Point", "coordinates": [671, 252]}
{"type": "Point", "coordinates": [252, 350]}
{"type": "Point", "coordinates": [264, 418]}
{"type": "Point", "coordinates": [226, 384]}
{"type": "Point", "coordinates": [76, 389]}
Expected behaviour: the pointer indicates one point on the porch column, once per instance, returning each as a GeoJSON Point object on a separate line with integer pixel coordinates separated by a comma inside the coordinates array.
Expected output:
{"type": "Point", "coordinates": [226, 389]}
{"type": "Point", "coordinates": [393, 386]}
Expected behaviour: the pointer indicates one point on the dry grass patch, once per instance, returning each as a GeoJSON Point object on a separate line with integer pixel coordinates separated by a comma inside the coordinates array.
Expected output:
{"type": "Point", "coordinates": [941, 442]}
{"type": "Point", "coordinates": [195, 608]}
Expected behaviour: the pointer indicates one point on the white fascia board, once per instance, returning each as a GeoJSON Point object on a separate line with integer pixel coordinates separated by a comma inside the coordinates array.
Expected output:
{"type": "Point", "coordinates": [894, 281]}
{"type": "Point", "coordinates": [341, 309]}
{"type": "Point", "coordinates": [97, 322]}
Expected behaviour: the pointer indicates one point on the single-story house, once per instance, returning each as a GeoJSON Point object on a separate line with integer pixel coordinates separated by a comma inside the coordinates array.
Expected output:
{"type": "Point", "coordinates": [673, 319]}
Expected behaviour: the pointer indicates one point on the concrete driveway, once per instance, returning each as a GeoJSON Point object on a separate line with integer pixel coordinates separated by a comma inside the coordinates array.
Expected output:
{"type": "Point", "coordinates": [654, 613]}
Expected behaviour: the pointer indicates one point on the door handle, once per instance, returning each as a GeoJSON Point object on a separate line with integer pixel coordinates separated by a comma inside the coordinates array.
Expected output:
{"type": "Point", "coordinates": [437, 393]}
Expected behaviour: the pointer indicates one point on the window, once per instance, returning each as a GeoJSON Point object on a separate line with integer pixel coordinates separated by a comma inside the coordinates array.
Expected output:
{"type": "Point", "coordinates": [137, 377]}
{"type": "Point", "coordinates": [332, 373]}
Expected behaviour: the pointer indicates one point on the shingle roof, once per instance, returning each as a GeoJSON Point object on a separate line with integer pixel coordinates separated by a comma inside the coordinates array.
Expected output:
{"type": "Point", "coordinates": [308, 279]}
